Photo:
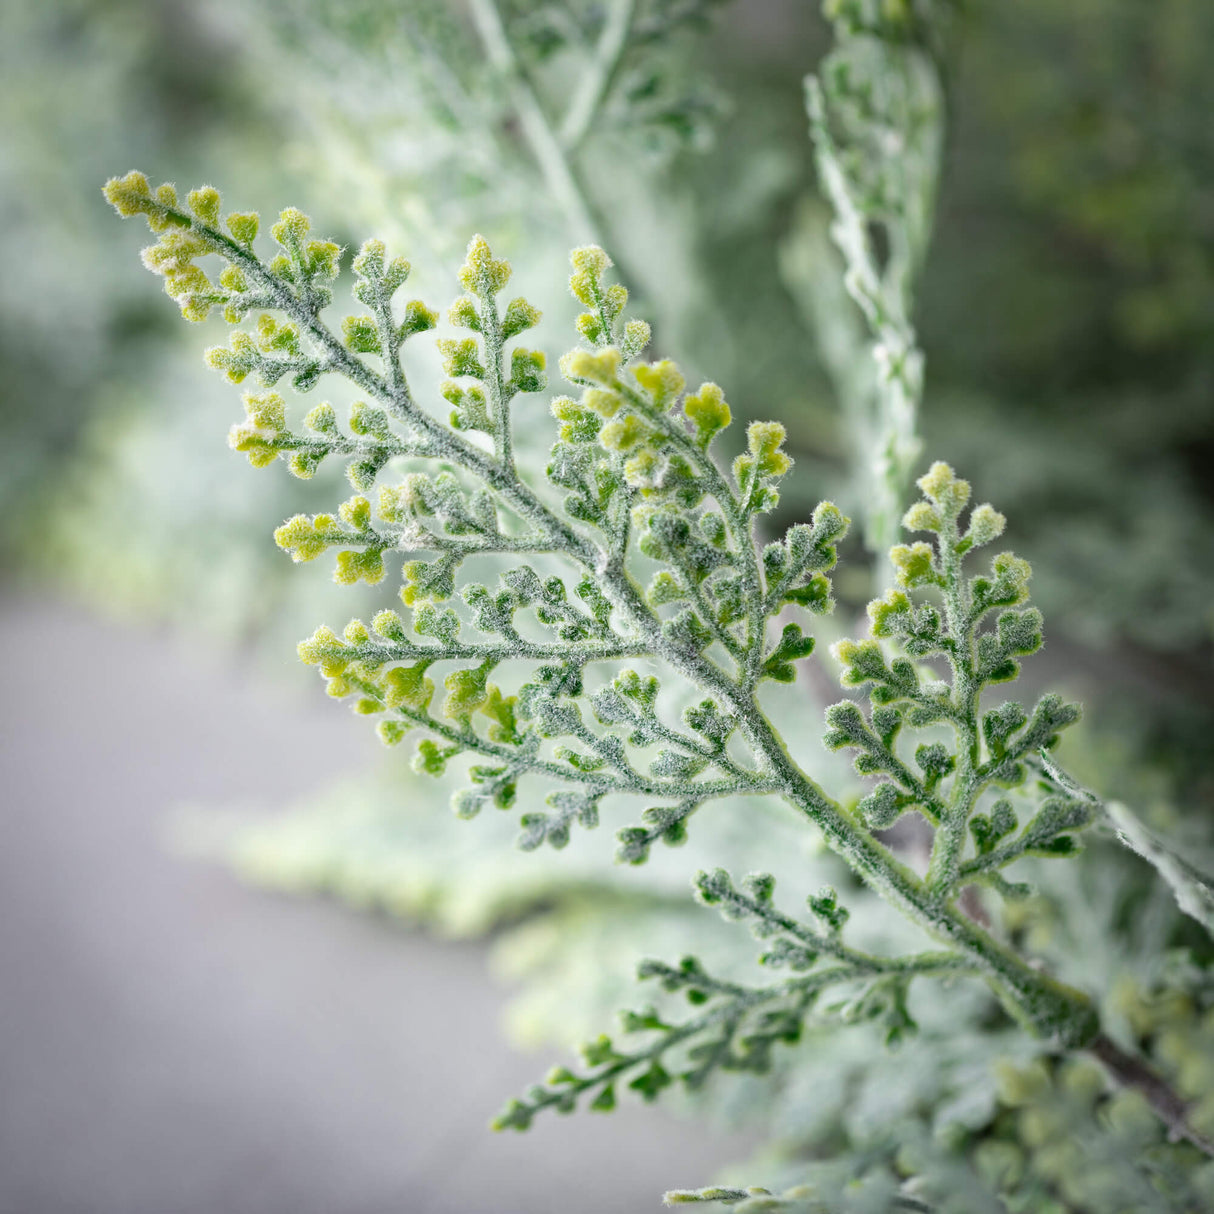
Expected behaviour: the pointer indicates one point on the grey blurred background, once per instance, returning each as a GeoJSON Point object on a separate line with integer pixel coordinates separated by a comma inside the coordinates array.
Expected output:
{"type": "Point", "coordinates": [173, 1038]}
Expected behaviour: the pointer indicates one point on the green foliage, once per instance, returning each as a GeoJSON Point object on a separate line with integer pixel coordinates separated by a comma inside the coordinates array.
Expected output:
{"type": "Point", "coordinates": [644, 487]}
{"type": "Point", "coordinates": [643, 544]}
{"type": "Point", "coordinates": [991, 746]}
{"type": "Point", "coordinates": [1051, 1136]}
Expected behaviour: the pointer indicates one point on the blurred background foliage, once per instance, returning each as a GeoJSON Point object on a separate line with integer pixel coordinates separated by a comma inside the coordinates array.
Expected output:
{"type": "Point", "coordinates": [1065, 310]}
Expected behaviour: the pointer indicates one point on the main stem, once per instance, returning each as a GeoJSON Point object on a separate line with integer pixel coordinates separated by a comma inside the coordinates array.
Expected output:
{"type": "Point", "coordinates": [1048, 1007]}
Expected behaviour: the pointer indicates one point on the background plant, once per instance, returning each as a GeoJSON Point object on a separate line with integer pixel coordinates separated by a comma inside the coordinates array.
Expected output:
{"type": "Point", "coordinates": [1053, 349]}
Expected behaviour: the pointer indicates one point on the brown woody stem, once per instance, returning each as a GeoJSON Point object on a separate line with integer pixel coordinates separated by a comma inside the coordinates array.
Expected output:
{"type": "Point", "coordinates": [1132, 1072]}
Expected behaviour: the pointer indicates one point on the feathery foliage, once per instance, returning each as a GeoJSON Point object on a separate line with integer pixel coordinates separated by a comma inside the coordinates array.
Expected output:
{"type": "Point", "coordinates": [607, 628]}
{"type": "Point", "coordinates": [635, 481]}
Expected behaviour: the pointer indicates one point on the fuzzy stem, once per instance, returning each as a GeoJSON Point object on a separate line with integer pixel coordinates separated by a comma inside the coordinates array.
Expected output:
{"type": "Point", "coordinates": [499, 398]}
{"type": "Point", "coordinates": [1050, 1008]}
{"type": "Point", "coordinates": [949, 842]}
{"type": "Point", "coordinates": [741, 532]}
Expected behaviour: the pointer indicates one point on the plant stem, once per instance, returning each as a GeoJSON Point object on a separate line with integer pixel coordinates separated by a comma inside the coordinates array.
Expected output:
{"type": "Point", "coordinates": [1045, 1005]}
{"type": "Point", "coordinates": [949, 842]}
{"type": "Point", "coordinates": [597, 81]}
{"type": "Point", "coordinates": [558, 172]}
{"type": "Point", "coordinates": [1132, 1072]}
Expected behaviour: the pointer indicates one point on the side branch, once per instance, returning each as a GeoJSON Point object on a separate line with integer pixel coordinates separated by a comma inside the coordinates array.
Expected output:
{"type": "Point", "coordinates": [630, 781]}
{"type": "Point", "coordinates": [750, 658]}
